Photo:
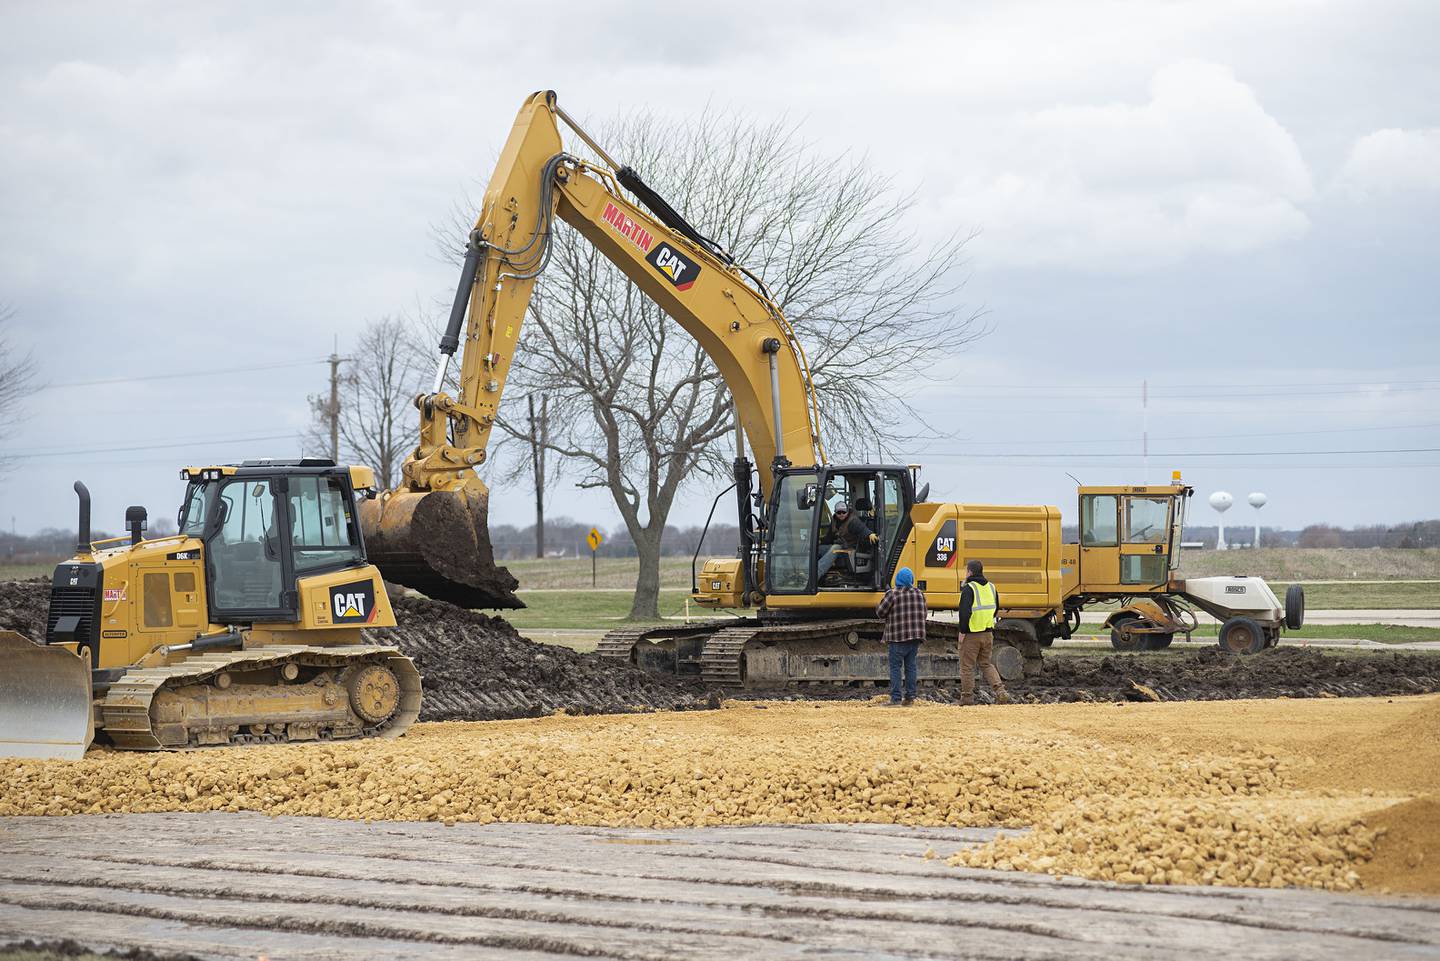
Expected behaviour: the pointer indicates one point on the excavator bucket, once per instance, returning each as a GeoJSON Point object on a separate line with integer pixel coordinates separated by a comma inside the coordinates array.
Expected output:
{"type": "Point", "coordinates": [438, 543]}
{"type": "Point", "coordinates": [44, 700]}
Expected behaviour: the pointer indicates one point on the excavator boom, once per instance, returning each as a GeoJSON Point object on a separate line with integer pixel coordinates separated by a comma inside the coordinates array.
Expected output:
{"type": "Point", "coordinates": [431, 532]}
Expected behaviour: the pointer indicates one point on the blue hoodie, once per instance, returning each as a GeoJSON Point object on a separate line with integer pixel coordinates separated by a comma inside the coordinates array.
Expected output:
{"type": "Point", "coordinates": [904, 577]}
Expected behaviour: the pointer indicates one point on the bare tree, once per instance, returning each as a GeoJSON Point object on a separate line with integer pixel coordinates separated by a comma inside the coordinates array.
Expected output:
{"type": "Point", "coordinates": [639, 408]}
{"type": "Point", "coordinates": [380, 378]}
{"type": "Point", "coordinates": [17, 377]}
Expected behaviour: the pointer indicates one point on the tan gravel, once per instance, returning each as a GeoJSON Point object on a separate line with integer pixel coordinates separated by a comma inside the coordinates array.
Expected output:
{"type": "Point", "coordinates": [1250, 792]}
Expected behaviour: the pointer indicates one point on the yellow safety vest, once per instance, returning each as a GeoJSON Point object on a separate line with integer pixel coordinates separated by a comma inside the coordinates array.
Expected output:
{"type": "Point", "coordinates": [982, 611]}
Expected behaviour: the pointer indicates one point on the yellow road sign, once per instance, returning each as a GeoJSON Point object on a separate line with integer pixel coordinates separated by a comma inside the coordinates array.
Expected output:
{"type": "Point", "coordinates": [595, 538]}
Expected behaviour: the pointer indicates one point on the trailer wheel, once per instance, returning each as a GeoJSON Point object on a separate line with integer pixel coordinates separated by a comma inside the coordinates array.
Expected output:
{"type": "Point", "coordinates": [1122, 640]}
{"type": "Point", "coordinates": [1294, 607]}
{"type": "Point", "coordinates": [1158, 642]}
{"type": "Point", "coordinates": [1241, 635]}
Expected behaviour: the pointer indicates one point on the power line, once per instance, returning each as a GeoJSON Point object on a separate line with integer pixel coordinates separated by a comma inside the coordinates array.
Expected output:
{"type": "Point", "coordinates": [1230, 453]}
{"type": "Point", "coordinates": [998, 391]}
{"type": "Point", "coordinates": [1273, 433]}
{"type": "Point", "coordinates": [147, 443]}
{"type": "Point", "coordinates": [183, 374]}
{"type": "Point", "coordinates": [143, 447]}
{"type": "Point", "coordinates": [1071, 465]}
{"type": "Point", "coordinates": [1210, 387]}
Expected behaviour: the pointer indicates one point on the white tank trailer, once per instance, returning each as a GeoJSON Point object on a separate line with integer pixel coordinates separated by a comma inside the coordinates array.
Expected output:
{"type": "Point", "coordinates": [1249, 613]}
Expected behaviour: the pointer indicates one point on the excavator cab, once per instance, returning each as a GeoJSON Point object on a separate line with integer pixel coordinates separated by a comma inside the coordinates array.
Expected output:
{"type": "Point", "coordinates": [804, 550]}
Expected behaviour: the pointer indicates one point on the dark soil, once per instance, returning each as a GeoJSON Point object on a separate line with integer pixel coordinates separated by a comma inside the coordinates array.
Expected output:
{"type": "Point", "coordinates": [1205, 675]}
{"type": "Point", "coordinates": [479, 668]}
{"type": "Point", "coordinates": [1210, 674]}
{"type": "Point", "coordinates": [25, 606]}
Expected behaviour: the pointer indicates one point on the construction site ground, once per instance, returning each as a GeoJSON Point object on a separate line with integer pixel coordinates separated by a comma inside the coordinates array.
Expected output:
{"type": "Point", "coordinates": [778, 829]}
{"type": "Point", "coordinates": [246, 886]}
{"type": "Point", "coordinates": [1171, 803]}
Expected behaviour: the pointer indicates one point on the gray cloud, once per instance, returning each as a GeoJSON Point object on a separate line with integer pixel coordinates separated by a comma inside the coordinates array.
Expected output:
{"type": "Point", "coordinates": [1189, 193]}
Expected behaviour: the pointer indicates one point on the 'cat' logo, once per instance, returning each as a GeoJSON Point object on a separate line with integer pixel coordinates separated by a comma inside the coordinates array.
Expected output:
{"type": "Point", "coordinates": [353, 603]}
{"type": "Point", "coordinates": [675, 266]}
{"type": "Point", "coordinates": [942, 548]}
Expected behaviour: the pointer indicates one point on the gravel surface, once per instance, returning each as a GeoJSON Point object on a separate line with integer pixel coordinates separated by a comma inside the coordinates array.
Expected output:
{"type": "Point", "coordinates": [1260, 793]}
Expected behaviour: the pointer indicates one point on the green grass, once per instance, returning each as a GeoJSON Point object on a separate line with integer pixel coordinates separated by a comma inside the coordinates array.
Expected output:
{"type": "Point", "coordinates": [1365, 596]}
{"type": "Point", "coordinates": [612, 573]}
{"type": "Point", "coordinates": [1288, 564]}
{"type": "Point", "coordinates": [21, 572]}
{"type": "Point", "coordinates": [593, 610]}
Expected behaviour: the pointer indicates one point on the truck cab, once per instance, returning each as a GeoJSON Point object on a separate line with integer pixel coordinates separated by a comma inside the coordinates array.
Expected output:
{"type": "Point", "coordinates": [1129, 539]}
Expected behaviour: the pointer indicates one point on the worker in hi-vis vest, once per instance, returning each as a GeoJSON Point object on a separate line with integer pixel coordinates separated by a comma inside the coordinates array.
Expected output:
{"type": "Point", "coordinates": [978, 603]}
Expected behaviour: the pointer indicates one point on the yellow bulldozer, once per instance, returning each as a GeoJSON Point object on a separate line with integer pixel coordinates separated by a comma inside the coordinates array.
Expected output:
{"type": "Point", "coordinates": [243, 628]}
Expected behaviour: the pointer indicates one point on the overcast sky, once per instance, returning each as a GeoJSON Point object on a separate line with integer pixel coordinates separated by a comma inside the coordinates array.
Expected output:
{"type": "Point", "coordinates": [1236, 202]}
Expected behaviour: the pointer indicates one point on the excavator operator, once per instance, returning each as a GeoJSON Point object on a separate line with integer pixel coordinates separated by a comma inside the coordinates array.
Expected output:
{"type": "Point", "coordinates": [847, 532]}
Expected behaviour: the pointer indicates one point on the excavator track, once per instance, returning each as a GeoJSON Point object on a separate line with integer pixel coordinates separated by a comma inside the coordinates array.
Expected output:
{"type": "Point", "coordinates": [844, 653]}
{"type": "Point", "coordinates": [793, 652]}
{"type": "Point", "coordinates": [629, 644]}
{"type": "Point", "coordinates": [356, 690]}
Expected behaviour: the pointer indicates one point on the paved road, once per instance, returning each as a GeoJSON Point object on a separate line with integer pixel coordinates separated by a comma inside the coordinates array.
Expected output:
{"type": "Point", "coordinates": [242, 886]}
{"type": "Point", "coordinates": [1412, 617]}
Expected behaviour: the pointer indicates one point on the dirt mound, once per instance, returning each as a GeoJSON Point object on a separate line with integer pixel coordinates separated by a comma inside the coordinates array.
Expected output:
{"type": "Point", "coordinates": [1408, 856]}
{"type": "Point", "coordinates": [478, 668]}
{"type": "Point", "coordinates": [25, 606]}
{"type": "Point", "coordinates": [1210, 674]}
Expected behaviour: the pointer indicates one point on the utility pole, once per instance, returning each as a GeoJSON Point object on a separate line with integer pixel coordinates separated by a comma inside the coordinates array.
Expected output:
{"type": "Point", "coordinates": [335, 402]}
{"type": "Point", "coordinates": [1145, 432]}
{"type": "Point", "coordinates": [539, 437]}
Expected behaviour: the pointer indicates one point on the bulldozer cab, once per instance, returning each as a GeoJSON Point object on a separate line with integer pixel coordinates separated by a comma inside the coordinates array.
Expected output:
{"type": "Point", "coordinates": [266, 524]}
{"type": "Point", "coordinates": [809, 550]}
{"type": "Point", "coordinates": [1130, 537]}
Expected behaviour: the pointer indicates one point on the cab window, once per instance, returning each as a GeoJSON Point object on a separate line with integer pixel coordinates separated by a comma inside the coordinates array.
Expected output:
{"type": "Point", "coordinates": [192, 515]}
{"type": "Point", "coordinates": [791, 552]}
{"type": "Point", "coordinates": [1147, 520]}
{"type": "Point", "coordinates": [245, 555]}
{"type": "Point", "coordinates": [1099, 520]}
{"type": "Point", "coordinates": [322, 530]}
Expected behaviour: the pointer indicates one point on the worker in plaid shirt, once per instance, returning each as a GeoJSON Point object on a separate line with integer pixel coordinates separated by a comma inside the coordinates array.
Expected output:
{"type": "Point", "coordinates": [903, 608]}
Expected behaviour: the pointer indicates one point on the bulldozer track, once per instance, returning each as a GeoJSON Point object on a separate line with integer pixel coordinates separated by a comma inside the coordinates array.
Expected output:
{"type": "Point", "coordinates": [126, 709]}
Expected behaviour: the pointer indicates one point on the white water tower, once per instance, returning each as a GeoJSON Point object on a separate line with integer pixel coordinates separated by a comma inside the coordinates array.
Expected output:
{"type": "Point", "coordinates": [1221, 501]}
{"type": "Point", "coordinates": [1257, 500]}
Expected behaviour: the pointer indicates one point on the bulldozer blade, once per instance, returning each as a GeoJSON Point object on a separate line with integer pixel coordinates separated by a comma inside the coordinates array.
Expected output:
{"type": "Point", "coordinates": [438, 543]}
{"type": "Point", "coordinates": [44, 700]}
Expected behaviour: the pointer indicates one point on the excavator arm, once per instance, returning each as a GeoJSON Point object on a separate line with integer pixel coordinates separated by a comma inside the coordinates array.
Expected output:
{"type": "Point", "coordinates": [431, 532]}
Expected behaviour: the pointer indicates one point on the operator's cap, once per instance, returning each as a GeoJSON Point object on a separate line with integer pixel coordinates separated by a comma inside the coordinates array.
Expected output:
{"type": "Point", "coordinates": [842, 508]}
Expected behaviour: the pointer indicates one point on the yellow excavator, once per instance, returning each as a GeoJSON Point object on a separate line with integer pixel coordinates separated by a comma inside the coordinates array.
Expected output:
{"type": "Point", "coordinates": [242, 628]}
{"type": "Point", "coordinates": [814, 603]}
